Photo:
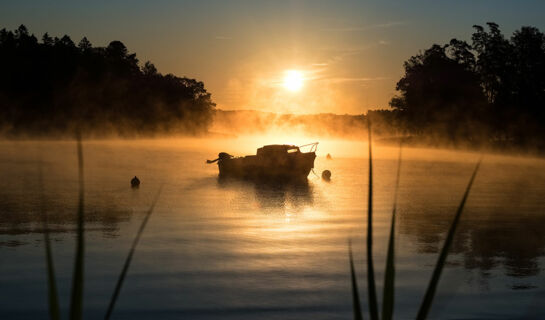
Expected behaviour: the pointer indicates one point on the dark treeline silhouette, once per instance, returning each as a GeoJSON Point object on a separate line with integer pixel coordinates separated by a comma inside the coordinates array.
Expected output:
{"type": "Point", "coordinates": [54, 86]}
{"type": "Point", "coordinates": [490, 91]}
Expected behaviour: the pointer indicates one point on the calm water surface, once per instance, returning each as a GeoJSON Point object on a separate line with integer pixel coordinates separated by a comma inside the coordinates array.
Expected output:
{"type": "Point", "coordinates": [237, 250]}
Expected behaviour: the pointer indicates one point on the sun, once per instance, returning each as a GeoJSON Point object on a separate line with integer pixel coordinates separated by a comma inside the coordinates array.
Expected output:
{"type": "Point", "coordinates": [293, 80]}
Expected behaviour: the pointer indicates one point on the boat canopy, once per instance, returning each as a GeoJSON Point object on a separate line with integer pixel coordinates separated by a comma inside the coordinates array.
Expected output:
{"type": "Point", "coordinates": [276, 149]}
{"type": "Point", "coordinates": [284, 148]}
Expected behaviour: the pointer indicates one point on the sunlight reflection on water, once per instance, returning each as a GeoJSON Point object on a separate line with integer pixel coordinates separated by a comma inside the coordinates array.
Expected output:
{"type": "Point", "coordinates": [240, 250]}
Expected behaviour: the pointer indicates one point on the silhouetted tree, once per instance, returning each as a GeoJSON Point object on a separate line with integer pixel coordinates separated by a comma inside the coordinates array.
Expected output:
{"type": "Point", "coordinates": [496, 70]}
{"type": "Point", "coordinates": [494, 87]}
{"type": "Point", "coordinates": [54, 86]}
{"type": "Point", "coordinates": [149, 69]}
{"type": "Point", "coordinates": [47, 40]}
{"type": "Point", "coordinates": [66, 42]}
{"type": "Point", "coordinates": [511, 73]}
{"type": "Point", "coordinates": [529, 84]}
{"type": "Point", "coordinates": [84, 44]}
{"type": "Point", "coordinates": [440, 92]}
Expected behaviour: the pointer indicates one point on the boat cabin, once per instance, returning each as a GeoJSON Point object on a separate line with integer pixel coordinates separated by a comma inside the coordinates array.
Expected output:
{"type": "Point", "coordinates": [276, 149]}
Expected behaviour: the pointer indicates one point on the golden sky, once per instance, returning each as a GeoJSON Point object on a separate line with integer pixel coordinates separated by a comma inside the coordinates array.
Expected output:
{"type": "Point", "coordinates": [350, 53]}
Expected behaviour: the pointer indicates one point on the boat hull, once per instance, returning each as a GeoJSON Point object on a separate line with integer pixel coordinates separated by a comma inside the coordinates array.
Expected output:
{"type": "Point", "coordinates": [291, 166]}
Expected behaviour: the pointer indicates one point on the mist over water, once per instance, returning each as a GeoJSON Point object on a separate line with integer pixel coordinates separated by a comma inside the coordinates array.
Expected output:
{"type": "Point", "coordinates": [240, 250]}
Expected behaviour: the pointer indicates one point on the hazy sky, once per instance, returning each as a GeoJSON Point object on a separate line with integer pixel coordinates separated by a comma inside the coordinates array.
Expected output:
{"type": "Point", "coordinates": [350, 53]}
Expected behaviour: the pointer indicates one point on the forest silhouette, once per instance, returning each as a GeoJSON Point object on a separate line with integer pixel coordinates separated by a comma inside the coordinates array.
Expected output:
{"type": "Point", "coordinates": [490, 92]}
{"type": "Point", "coordinates": [56, 87]}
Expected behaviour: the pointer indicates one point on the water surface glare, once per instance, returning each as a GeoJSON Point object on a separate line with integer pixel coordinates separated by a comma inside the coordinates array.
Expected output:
{"type": "Point", "coordinates": [238, 250]}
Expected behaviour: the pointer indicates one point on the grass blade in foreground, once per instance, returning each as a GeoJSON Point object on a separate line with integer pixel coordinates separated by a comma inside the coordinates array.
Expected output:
{"type": "Point", "coordinates": [76, 303]}
{"type": "Point", "coordinates": [430, 292]}
{"type": "Point", "coordinates": [389, 275]}
{"type": "Point", "coordinates": [53, 298]}
{"type": "Point", "coordinates": [373, 309]}
{"type": "Point", "coordinates": [355, 295]}
{"type": "Point", "coordinates": [129, 257]}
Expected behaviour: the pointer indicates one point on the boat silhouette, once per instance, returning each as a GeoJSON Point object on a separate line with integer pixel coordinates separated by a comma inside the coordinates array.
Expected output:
{"type": "Point", "coordinates": [271, 162]}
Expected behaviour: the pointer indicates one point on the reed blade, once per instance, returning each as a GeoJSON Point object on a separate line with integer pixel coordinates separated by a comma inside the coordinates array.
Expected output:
{"type": "Point", "coordinates": [52, 295]}
{"type": "Point", "coordinates": [430, 292]}
{"type": "Point", "coordinates": [125, 269]}
{"type": "Point", "coordinates": [389, 275]}
{"type": "Point", "coordinates": [355, 296]}
{"type": "Point", "coordinates": [373, 308]}
{"type": "Point", "coordinates": [76, 303]}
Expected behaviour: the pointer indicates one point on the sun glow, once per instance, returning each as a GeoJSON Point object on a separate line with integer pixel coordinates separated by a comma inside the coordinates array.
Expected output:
{"type": "Point", "coordinates": [293, 80]}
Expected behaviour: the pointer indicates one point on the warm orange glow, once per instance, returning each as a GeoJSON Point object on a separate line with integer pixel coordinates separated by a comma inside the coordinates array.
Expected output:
{"type": "Point", "coordinates": [293, 80]}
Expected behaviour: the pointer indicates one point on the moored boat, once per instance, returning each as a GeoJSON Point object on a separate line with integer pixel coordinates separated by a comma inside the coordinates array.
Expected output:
{"type": "Point", "coordinates": [271, 162]}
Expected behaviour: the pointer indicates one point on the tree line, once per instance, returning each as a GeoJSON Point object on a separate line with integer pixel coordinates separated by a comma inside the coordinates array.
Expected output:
{"type": "Point", "coordinates": [491, 90]}
{"type": "Point", "coordinates": [54, 86]}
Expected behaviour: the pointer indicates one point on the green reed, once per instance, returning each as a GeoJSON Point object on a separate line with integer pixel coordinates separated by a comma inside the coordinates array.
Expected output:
{"type": "Point", "coordinates": [373, 309]}
{"type": "Point", "coordinates": [76, 299]}
{"type": "Point", "coordinates": [389, 275]}
{"type": "Point", "coordinates": [430, 292]}
{"type": "Point", "coordinates": [76, 302]}
{"type": "Point", "coordinates": [53, 298]}
{"type": "Point", "coordinates": [125, 269]}
{"type": "Point", "coordinates": [355, 295]}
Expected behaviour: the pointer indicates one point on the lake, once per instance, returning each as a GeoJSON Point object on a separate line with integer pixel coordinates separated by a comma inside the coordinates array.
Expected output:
{"type": "Point", "coordinates": [233, 249]}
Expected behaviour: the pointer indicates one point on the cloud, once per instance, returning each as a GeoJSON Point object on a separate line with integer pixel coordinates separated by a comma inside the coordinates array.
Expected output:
{"type": "Point", "coordinates": [338, 54]}
{"type": "Point", "coordinates": [368, 27]}
{"type": "Point", "coordinates": [385, 25]}
{"type": "Point", "coordinates": [354, 79]}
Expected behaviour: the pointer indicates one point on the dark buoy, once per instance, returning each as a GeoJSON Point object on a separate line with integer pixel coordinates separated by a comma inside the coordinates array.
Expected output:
{"type": "Point", "coordinates": [326, 175]}
{"type": "Point", "coordinates": [328, 157]}
{"type": "Point", "coordinates": [135, 182]}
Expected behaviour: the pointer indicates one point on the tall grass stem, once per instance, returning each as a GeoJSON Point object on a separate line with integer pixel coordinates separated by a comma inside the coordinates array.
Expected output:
{"type": "Point", "coordinates": [389, 275]}
{"type": "Point", "coordinates": [52, 293]}
{"type": "Point", "coordinates": [76, 303]}
{"type": "Point", "coordinates": [125, 269]}
{"type": "Point", "coordinates": [430, 292]}
{"type": "Point", "coordinates": [373, 308]}
{"type": "Point", "coordinates": [355, 296]}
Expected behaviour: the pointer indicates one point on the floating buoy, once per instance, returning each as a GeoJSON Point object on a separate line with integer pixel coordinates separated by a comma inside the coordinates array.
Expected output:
{"type": "Point", "coordinates": [326, 175]}
{"type": "Point", "coordinates": [135, 182]}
